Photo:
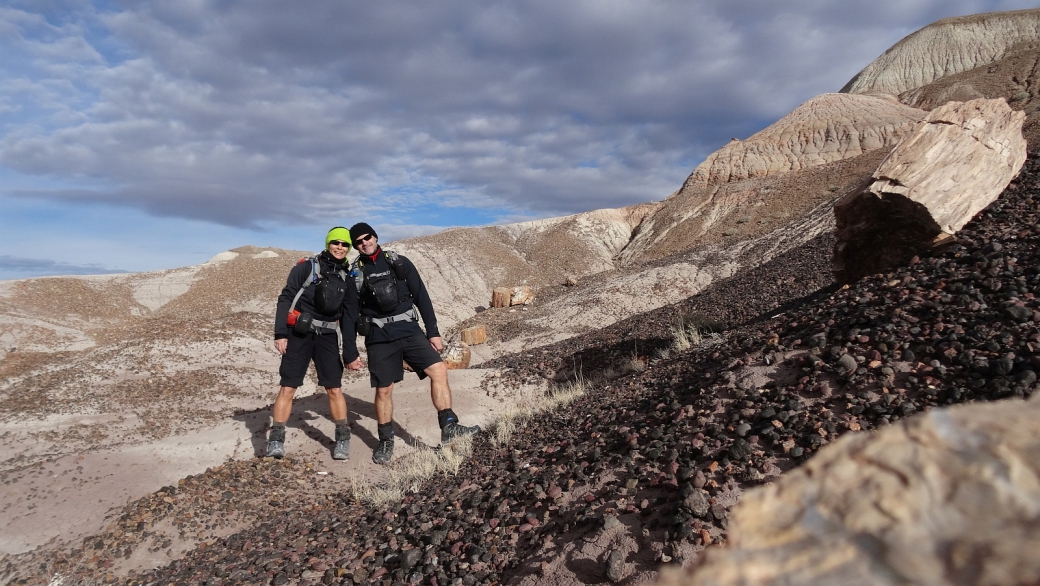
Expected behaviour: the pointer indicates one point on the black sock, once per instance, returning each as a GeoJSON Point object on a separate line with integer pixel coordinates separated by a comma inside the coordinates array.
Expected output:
{"type": "Point", "coordinates": [446, 416]}
{"type": "Point", "coordinates": [277, 432]}
{"type": "Point", "coordinates": [342, 433]}
{"type": "Point", "coordinates": [340, 423]}
{"type": "Point", "coordinates": [386, 431]}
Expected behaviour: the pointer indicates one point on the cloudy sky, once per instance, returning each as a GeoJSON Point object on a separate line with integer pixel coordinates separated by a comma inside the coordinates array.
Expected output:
{"type": "Point", "coordinates": [146, 135]}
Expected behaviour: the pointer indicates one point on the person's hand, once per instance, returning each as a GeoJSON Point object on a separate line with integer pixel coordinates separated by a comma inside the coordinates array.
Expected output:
{"type": "Point", "coordinates": [281, 344]}
{"type": "Point", "coordinates": [437, 343]}
{"type": "Point", "coordinates": [356, 365]}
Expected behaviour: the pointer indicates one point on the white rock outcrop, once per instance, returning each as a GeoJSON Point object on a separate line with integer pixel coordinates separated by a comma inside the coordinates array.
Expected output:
{"type": "Point", "coordinates": [946, 47]}
{"type": "Point", "coordinates": [955, 163]}
{"type": "Point", "coordinates": [827, 128]}
{"type": "Point", "coordinates": [951, 496]}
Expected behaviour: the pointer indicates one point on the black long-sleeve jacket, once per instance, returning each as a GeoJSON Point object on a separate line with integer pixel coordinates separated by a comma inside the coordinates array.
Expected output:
{"type": "Point", "coordinates": [298, 277]}
{"type": "Point", "coordinates": [410, 291]}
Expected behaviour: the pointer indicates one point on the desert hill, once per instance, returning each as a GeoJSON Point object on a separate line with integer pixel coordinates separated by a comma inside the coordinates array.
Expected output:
{"type": "Point", "coordinates": [638, 472]}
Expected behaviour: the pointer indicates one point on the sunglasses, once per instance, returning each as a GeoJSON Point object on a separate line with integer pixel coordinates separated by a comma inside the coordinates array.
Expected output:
{"type": "Point", "coordinates": [338, 243]}
{"type": "Point", "coordinates": [364, 238]}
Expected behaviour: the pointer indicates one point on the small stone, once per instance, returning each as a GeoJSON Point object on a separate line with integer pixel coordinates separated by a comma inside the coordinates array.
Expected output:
{"type": "Point", "coordinates": [847, 363]}
{"type": "Point", "coordinates": [696, 503]}
{"type": "Point", "coordinates": [615, 565]}
{"type": "Point", "coordinates": [609, 522]}
{"type": "Point", "coordinates": [410, 557]}
{"type": "Point", "coordinates": [1019, 314]}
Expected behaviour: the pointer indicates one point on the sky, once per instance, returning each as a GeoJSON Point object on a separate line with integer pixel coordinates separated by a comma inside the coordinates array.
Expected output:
{"type": "Point", "coordinates": [139, 136]}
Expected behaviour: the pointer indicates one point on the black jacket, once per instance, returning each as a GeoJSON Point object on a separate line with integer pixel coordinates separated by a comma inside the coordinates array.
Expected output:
{"type": "Point", "coordinates": [410, 291]}
{"type": "Point", "coordinates": [298, 277]}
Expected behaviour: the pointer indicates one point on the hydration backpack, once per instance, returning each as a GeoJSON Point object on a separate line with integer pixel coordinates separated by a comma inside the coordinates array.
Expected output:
{"type": "Point", "coordinates": [328, 295]}
{"type": "Point", "coordinates": [383, 287]}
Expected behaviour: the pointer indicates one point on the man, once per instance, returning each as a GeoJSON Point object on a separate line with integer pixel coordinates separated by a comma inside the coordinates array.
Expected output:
{"type": "Point", "coordinates": [382, 307]}
{"type": "Point", "coordinates": [309, 306]}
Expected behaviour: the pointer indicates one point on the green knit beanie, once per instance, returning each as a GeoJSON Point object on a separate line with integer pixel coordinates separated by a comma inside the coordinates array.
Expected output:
{"type": "Point", "coordinates": [337, 233]}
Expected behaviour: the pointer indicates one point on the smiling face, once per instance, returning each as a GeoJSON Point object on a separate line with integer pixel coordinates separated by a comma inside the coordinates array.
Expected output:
{"type": "Point", "coordinates": [339, 249]}
{"type": "Point", "coordinates": [366, 244]}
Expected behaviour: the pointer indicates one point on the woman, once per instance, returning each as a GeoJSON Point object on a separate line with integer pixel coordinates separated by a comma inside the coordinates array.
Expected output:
{"type": "Point", "coordinates": [305, 329]}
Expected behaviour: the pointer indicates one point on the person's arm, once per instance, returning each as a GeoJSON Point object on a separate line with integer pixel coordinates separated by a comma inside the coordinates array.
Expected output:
{"type": "Point", "coordinates": [348, 325]}
{"type": "Point", "coordinates": [421, 298]}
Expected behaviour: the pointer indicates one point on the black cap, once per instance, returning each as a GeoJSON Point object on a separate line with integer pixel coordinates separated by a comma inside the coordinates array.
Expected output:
{"type": "Point", "coordinates": [360, 229]}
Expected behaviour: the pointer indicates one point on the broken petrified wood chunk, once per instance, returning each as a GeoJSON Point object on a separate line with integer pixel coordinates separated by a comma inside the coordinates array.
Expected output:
{"type": "Point", "coordinates": [475, 335]}
{"type": "Point", "coordinates": [951, 166]}
{"type": "Point", "coordinates": [500, 296]}
{"type": "Point", "coordinates": [521, 295]}
{"type": "Point", "coordinates": [457, 356]}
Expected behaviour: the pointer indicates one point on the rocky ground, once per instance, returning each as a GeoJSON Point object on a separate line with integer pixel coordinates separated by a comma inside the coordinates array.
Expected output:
{"type": "Point", "coordinates": [642, 470]}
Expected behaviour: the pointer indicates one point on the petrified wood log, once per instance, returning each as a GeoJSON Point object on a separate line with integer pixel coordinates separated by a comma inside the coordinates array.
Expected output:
{"type": "Point", "coordinates": [951, 166]}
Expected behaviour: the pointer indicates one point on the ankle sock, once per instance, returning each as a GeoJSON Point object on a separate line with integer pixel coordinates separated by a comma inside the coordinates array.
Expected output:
{"type": "Point", "coordinates": [446, 416]}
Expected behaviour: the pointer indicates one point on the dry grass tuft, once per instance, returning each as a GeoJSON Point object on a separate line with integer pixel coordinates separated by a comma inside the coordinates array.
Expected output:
{"type": "Point", "coordinates": [555, 397]}
{"type": "Point", "coordinates": [407, 473]}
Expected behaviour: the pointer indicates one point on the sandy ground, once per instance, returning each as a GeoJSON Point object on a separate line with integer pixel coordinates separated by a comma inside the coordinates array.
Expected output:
{"type": "Point", "coordinates": [72, 496]}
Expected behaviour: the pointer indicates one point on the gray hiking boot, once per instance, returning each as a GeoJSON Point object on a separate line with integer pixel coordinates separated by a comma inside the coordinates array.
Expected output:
{"type": "Point", "coordinates": [453, 430]}
{"type": "Point", "coordinates": [276, 443]}
{"type": "Point", "coordinates": [276, 449]}
{"type": "Point", "coordinates": [341, 451]}
{"type": "Point", "coordinates": [384, 451]}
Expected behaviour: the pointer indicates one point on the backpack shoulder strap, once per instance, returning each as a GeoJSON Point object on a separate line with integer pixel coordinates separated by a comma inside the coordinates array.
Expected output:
{"type": "Point", "coordinates": [315, 273]}
{"type": "Point", "coordinates": [395, 262]}
{"type": "Point", "coordinates": [359, 276]}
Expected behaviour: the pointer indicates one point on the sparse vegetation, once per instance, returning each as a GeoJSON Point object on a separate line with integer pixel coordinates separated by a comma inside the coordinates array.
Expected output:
{"type": "Point", "coordinates": [691, 330]}
{"type": "Point", "coordinates": [407, 473]}
{"type": "Point", "coordinates": [555, 396]}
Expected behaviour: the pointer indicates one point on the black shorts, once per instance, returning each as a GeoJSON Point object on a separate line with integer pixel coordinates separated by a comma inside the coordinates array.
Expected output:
{"type": "Point", "coordinates": [303, 348]}
{"type": "Point", "coordinates": [386, 359]}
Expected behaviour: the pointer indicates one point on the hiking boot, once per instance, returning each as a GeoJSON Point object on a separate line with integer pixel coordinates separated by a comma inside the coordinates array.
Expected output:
{"type": "Point", "coordinates": [384, 451]}
{"type": "Point", "coordinates": [453, 430]}
{"type": "Point", "coordinates": [341, 451]}
{"type": "Point", "coordinates": [276, 443]}
{"type": "Point", "coordinates": [275, 449]}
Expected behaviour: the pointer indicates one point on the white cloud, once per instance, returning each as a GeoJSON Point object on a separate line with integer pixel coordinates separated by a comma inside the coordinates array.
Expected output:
{"type": "Point", "coordinates": [246, 114]}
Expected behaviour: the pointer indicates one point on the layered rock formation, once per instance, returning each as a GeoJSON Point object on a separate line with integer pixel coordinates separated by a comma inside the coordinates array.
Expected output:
{"type": "Point", "coordinates": [827, 128]}
{"type": "Point", "coordinates": [952, 166]}
{"type": "Point", "coordinates": [461, 267]}
{"type": "Point", "coordinates": [948, 497]}
{"type": "Point", "coordinates": [750, 188]}
{"type": "Point", "coordinates": [947, 47]}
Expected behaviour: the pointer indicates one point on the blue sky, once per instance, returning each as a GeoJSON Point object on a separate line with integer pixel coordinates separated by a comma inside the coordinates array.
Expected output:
{"type": "Point", "coordinates": [145, 135]}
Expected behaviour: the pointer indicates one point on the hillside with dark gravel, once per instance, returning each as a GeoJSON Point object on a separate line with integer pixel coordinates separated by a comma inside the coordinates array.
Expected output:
{"type": "Point", "coordinates": [642, 469]}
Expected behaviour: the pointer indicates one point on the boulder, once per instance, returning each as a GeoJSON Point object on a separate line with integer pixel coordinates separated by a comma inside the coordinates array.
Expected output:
{"type": "Point", "coordinates": [475, 335]}
{"type": "Point", "coordinates": [947, 496]}
{"type": "Point", "coordinates": [521, 295]}
{"type": "Point", "coordinates": [953, 164]}
{"type": "Point", "coordinates": [457, 356]}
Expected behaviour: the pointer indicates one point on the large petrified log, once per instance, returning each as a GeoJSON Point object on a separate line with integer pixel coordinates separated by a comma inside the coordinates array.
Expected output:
{"type": "Point", "coordinates": [951, 496]}
{"type": "Point", "coordinates": [953, 164]}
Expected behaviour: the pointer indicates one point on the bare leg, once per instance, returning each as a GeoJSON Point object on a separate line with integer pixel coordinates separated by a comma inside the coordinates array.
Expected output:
{"type": "Point", "coordinates": [384, 403]}
{"type": "Point", "coordinates": [440, 392]}
{"type": "Point", "coordinates": [337, 403]}
{"type": "Point", "coordinates": [283, 405]}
